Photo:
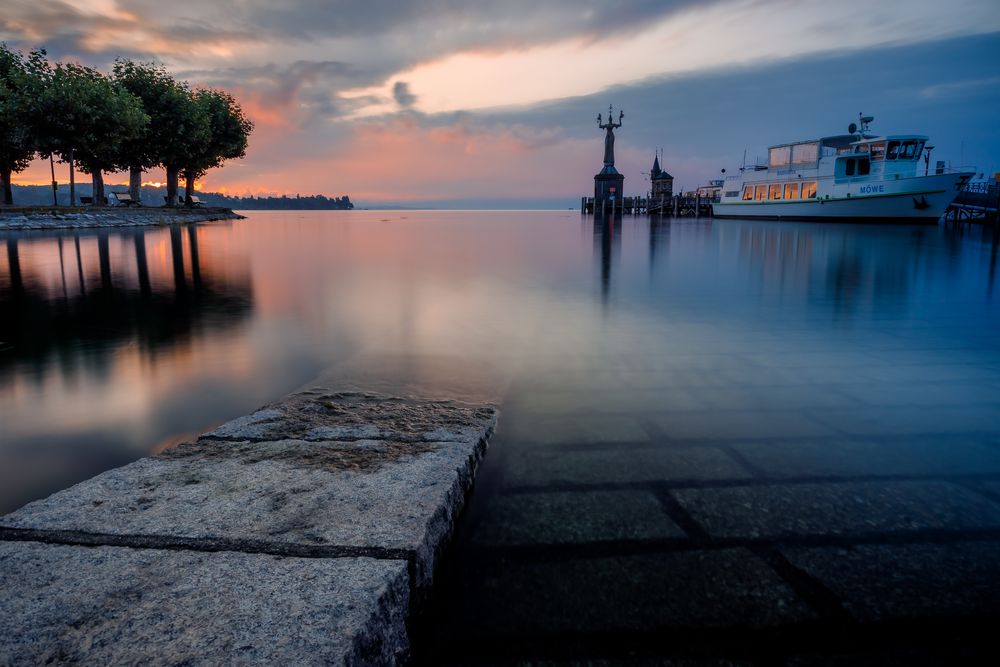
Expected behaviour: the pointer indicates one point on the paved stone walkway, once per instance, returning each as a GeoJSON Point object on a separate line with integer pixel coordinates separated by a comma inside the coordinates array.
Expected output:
{"type": "Point", "coordinates": [630, 536]}
{"type": "Point", "coordinates": [300, 534]}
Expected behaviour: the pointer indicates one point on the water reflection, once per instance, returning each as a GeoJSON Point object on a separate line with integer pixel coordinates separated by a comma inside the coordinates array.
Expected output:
{"type": "Point", "coordinates": [113, 343]}
{"type": "Point", "coordinates": [89, 320]}
{"type": "Point", "coordinates": [607, 248]}
{"type": "Point", "coordinates": [98, 304]}
{"type": "Point", "coordinates": [659, 241]}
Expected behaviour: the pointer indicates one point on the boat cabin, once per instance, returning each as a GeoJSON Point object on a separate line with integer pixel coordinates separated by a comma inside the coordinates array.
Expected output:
{"type": "Point", "coordinates": [892, 156]}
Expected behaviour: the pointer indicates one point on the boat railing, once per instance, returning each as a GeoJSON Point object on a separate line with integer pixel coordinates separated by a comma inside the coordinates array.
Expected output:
{"type": "Point", "coordinates": [794, 168]}
{"type": "Point", "coordinates": [934, 171]}
{"type": "Point", "coordinates": [981, 187]}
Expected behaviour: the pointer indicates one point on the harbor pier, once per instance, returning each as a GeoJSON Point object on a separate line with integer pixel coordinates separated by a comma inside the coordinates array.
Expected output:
{"type": "Point", "coordinates": [675, 205]}
{"type": "Point", "coordinates": [976, 202]}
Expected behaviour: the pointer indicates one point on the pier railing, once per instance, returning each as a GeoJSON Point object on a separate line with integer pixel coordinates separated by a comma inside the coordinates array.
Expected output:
{"type": "Point", "coordinates": [976, 201]}
{"type": "Point", "coordinates": [677, 205]}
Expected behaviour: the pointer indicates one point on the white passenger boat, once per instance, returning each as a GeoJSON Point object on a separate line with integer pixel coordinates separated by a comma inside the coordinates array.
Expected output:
{"type": "Point", "coordinates": [856, 176]}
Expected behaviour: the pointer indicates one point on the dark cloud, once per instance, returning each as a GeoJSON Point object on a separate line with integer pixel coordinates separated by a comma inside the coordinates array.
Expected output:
{"type": "Point", "coordinates": [278, 83]}
{"type": "Point", "coordinates": [483, 21]}
{"type": "Point", "coordinates": [305, 92]}
{"type": "Point", "coordinates": [63, 30]}
{"type": "Point", "coordinates": [401, 93]}
{"type": "Point", "coordinates": [386, 35]}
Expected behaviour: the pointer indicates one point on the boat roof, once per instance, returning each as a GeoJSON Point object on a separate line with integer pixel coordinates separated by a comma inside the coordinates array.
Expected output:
{"type": "Point", "coordinates": [848, 140]}
{"type": "Point", "coordinates": [893, 137]}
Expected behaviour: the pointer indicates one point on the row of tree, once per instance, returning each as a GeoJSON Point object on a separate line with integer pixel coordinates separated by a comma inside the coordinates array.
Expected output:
{"type": "Point", "coordinates": [136, 118]}
{"type": "Point", "coordinates": [282, 203]}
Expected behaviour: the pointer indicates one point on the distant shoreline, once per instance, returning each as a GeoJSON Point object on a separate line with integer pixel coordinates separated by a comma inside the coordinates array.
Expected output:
{"type": "Point", "coordinates": [35, 217]}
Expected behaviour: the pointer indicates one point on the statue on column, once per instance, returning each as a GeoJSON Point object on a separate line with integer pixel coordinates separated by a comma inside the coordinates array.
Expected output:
{"type": "Point", "coordinates": [609, 138]}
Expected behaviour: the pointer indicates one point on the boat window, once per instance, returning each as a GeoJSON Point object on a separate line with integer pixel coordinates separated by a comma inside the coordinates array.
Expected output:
{"type": "Point", "coordinates": [809, 190]}
{"type": "Point", "coordinates": [864, 166]}
{"type": "Point", "coordinates": [791, 190]}
{"type": "Point", "coordinates": [802, 153]}
{"type": "Point", "coordinates": [908, 151]}
{"type": "Point", "coordinates": [892, 150]}
{"type": "Point", "coordinates": [920, 150]}
{"type": "Point", "coordinates": [779, 156]}
{"type": "Point", "coordinates": [774, 191]}
{"type": "Point", "coordinates": [861, 148]}
{"type": "Point", "coordinates": [878, 151]}
{"type": "Point", "coordinates": [849, 167]}
{"type": "Point", "coordinates": [760, 192]}
{"type": "Point", "coordinates": [748, 193]}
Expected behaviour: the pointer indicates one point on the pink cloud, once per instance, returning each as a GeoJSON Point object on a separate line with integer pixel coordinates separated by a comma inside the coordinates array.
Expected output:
{"type": "Point", "coordinates": [401, 159]}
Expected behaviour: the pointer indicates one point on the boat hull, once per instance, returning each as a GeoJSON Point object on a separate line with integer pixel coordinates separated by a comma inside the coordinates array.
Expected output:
{"type": "Point", "coordinates": [921, 200]}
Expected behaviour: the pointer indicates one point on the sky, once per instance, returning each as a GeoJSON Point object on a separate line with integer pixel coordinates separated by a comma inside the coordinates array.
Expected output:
{"type": "Point", "coordinates": [494, 104]}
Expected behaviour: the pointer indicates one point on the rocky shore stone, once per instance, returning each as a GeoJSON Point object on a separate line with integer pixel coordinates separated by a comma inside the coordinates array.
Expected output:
{"type": "Point", "coordinates": [120, 606]}
{"type": "Point", "coordinates": [109, 217]}
{"type": "Point", "coordinates": [400, 492]}
{"type": "Point", "coordinates": [343, 480]}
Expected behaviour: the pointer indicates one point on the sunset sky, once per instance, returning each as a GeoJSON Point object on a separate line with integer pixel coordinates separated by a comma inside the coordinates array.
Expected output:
{"type": "Point", "coordinates": [437, 102]}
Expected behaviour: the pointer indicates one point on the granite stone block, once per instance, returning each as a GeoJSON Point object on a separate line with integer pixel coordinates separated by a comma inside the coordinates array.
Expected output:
{"type": "Point", "coordinates": [647, 464]}
{"type": "Point", "coordinates": [120, 606]}
{"type": "Point", "coordinates": [399, 493]}
{"type": "Point", "coordinates": [568, 517]}
{"type": "Point", "coordinates": [878, 582]}
{"type": "Point", "coordinates": [850, 508]}
{"type": "Point", "coordinates": [709, 589]}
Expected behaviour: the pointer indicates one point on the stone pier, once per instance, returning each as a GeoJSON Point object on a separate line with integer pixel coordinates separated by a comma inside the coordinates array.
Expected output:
{"type": "Point", "coordinates": [300, 534]}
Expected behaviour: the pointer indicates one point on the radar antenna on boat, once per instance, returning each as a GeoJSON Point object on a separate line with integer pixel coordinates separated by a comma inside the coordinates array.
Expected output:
{"type": "Point", "coordinates": [865, 121]}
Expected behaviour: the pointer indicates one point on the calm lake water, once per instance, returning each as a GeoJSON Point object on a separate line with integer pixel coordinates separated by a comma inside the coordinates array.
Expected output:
{"type": "Point", "coordinates": [703, 423]}
{"type": "Point", "coordinates": [116, 344]}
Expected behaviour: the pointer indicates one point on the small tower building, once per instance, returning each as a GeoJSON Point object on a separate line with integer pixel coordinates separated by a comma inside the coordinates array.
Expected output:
{"type": "Point", "coordinates": [662, 183]}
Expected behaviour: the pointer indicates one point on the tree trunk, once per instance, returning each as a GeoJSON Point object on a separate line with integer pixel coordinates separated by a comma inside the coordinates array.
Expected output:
{"type": "Point", "coordinates": [8, 191]}
{"type": "Point", "coordinates": [135, 184]}
{"type": "Point", "coordinates": [55, 186]}
{"type": "Point", "coordinates": [172, 173]}
{"type": "Point", "coordinates": [72, 179]}
{"type": "Point", "coordinates": [97, 178]}
{"type": "Point", "coordinates": [188, 190]}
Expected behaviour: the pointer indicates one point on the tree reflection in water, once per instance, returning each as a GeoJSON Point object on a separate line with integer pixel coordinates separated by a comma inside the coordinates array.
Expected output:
{"type": "Point", "coordinates": [121, 306]}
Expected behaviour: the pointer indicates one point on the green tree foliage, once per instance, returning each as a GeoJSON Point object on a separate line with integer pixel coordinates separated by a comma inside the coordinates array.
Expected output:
{"type": "Point", "coordinates": [135, 119]}
{"type": "Point", "coordinates": [17, 141]}
{"type": "Point", "coordinates": [175, 121]}
{"type": "Point", "coordinates": [84, 116]}
{"type": "Point", "coordinates": [229, 132]}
